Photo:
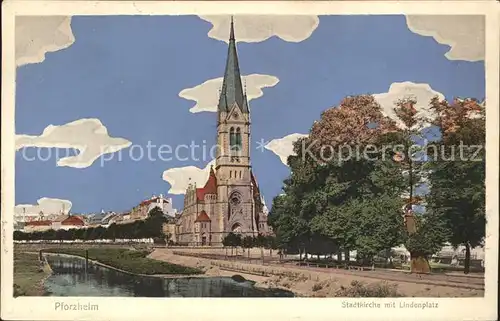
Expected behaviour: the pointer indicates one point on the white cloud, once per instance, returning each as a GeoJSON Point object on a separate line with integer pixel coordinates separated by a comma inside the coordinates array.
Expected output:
{"type": "Point", "coordinates": [180, 177]}
{"type": "Point", "coordinates": [206, 95]}
{"type": "Point", "coordinates": [37, 35]}
{"type": "Point", "coordinates": [283, 147]}
{"type": "Point", "coordinates": [257, 28]}
{"type": "Point", "coordinates": [423, 93]}
{"type": "Point", "coordinates": [45, 205]}
{"type": "Point", "coordinates": [464, 34]}
{"type": "Point", "coordinates": [88, 136]}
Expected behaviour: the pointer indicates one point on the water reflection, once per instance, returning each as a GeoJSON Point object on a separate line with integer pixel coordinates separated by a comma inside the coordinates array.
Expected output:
{"type": "Point", "coordinates": [72, 278]}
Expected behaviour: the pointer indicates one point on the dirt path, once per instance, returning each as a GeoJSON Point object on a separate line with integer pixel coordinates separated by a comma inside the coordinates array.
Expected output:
{"type": "Point", "coordinates": [318, 282]}
{"type": "Point", "coordinates": [431, 279]}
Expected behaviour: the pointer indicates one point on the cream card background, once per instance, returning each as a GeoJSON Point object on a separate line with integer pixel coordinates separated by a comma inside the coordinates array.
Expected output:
{"type": "Point", "coordinates": [42, 308]}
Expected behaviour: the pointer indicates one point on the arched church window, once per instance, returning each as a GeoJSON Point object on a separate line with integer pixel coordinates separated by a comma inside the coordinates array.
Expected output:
{"type": "Point", "coordinates": [238, 138]}
{"type": "Point", "coordinates": [230, 174]}
{"type": "Point", "coordinates": [240, 174]}
{"type": "Point", "coordinates": [232, 138]}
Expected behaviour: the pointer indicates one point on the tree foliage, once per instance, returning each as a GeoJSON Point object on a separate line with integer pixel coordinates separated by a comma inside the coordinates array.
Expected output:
{"type": "Point", "coordinates": [457, 172]}
{"type": "Point", "coordinates": [344, 190]}
{"type": "Point", "coordinates": [232, 240]}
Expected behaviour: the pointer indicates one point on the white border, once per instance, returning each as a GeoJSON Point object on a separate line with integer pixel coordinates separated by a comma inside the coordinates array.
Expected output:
{"type": "Point", "coordinates": [252, 309]}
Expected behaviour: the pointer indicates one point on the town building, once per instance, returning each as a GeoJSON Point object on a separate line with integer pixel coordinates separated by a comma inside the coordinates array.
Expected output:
{"type": "Point", "coordinates": [66, 222]}
{"type": "Point", "coordinates": [37, 226]}
{"type": "Point", "coordinates": [94, 220]}
{"type": "Point", "coordinates": [165, 204]}
{"type": "Point", "coordinates": [28, 213]}
{"type": "Point", "coordinates": [72, 222]}
{"type": "Point", "coordinates": [230, 200]}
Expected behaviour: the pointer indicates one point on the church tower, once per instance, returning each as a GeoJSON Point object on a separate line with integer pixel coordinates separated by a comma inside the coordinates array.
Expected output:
{"type": "Point", "coordinates": [235, 195]}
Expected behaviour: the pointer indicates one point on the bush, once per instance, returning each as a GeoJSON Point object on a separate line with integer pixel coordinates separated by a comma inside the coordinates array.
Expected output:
{"type": "Point", "coordinates": [317, 287]}
{"type": "Point", "coordinates": [374, 290]}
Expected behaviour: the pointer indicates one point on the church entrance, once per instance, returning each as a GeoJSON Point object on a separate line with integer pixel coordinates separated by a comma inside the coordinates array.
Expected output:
{"type": "Point", "coordinates": [203, 240]}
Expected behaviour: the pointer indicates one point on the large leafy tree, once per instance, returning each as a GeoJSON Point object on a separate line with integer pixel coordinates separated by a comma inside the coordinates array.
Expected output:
{"type": "Point", "coordinates": [457, 178]}
{"type": "Point", "coordinates": [425, 231]}
{"type": "Point", "coordinates": [342, 191]}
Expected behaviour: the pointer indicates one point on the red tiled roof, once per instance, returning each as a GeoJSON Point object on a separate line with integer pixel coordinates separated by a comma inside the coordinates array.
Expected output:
{"type": "Point", "coordinates": [152, 200]}
{"type": "Point", "coordinates": [209, 188]}
{"type": "Point", "coordinates": [211, 185]}
{"type": "Point", "coordinates": [73, 220]}
{"type": "Point", "coordinates": [200, 194]}
{"type": "Point", "coordinates": [39, 223]}
{"type": "Point", "coordinates": [202, 217]}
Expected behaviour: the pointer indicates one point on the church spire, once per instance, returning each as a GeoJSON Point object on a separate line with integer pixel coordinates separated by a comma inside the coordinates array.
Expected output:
{"type": "Point", "coordinates": [232, 88]}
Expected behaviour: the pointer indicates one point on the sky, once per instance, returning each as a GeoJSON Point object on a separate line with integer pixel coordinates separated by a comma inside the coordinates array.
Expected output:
{"type": "Point", "coordinates": [111, 86]}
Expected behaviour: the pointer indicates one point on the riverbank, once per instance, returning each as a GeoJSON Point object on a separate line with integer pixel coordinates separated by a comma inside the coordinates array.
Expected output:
{"type": "Point", "coordinates": [310, 282]}
{"type": "Point", "coordinates": [129, 261]}
{"type": "Point", "coordinates": [29, 274]}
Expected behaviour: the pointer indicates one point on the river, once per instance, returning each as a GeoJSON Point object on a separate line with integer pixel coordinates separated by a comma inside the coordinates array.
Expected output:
{"type": "Point", "coordinates": [71, 277]}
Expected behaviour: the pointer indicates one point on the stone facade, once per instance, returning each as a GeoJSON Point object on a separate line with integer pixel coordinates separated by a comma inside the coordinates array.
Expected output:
{"type": "Point", "coordinates": [230, 200]}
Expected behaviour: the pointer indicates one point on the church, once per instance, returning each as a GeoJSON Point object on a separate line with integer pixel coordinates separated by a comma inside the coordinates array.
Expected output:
{"type": "Point", "coordinates": [230, 200]}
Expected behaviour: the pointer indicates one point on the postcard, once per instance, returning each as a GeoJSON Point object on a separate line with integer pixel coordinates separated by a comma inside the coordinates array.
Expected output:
{"type": "Point", "coordinates": [283, 160]}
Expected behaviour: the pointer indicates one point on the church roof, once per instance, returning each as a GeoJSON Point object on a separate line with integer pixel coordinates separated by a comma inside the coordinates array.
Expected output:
{"type": "Point", "coordinates": [232, 88]}
{"type": "Point", "coordinates": [209, 188]}
{"type": "Point", "coordinates": [202, 217]}
{"type": "Point", "coordinates": [256, 190]}
{"type": "Point", "coordinates": [200, 194]}
{"type": "Point", "coordinates": [211, 185]}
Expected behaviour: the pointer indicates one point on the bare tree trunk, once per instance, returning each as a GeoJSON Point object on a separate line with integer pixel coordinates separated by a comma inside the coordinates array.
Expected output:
{"type": "Point", "coordinates": [467, 258]}
{"type": "Point", "coordinates": [339, 256]}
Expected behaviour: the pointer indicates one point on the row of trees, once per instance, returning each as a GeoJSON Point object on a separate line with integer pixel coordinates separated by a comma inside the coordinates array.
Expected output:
{"type": "Point", "coordinates": [234, 240]}
{"type": "Point", "coordinates": [362, 181]}
{"type": "Point", "coordinates": [151, 227]}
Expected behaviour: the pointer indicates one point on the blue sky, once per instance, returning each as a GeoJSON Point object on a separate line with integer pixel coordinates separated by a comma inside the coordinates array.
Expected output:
{"type": "Point", "coordinates": [127, 71]}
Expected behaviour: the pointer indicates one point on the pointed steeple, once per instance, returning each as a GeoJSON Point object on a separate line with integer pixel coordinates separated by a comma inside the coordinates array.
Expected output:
{"type": "Point", "coordinates": [232, 88]}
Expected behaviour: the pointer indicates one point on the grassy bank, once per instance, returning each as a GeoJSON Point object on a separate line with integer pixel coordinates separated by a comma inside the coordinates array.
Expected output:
{"type": "Point", "coordinates": [29, 274]}
{"type": "Point", "coordinates": [128, 260]}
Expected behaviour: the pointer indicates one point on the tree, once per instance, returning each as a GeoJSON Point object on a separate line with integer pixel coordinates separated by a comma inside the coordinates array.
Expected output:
{"type": "Point", "coordinates": [270, 243]}
{"type": "Point", "coordinates": [247, 242]}
{"type": "Point", "coordinates": [232, 240]}
{"type": "Point", "coordinates": [457, 172]}
{"type": "Point", "coordinates": [425, 233]}
{"type": "Point", "coordinates": [333, 196]}
{"type": "Point", "coordinates": [154, 223]}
